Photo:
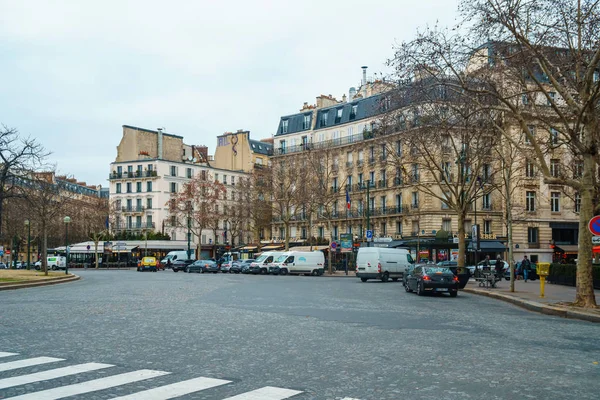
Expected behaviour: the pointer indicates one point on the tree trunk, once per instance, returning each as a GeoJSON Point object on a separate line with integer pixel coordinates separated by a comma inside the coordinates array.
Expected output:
{"type": "Point", "coordinates": [286, 224]}
{"type": "Point", "coordinates": [509, 227]}
{"type": "Point", "coordinates": [329, 250]}
{"type": "Point", "coordinates": [45, 249]}
{"type": "Point", "coordinates": [96, 252]}
{"type": "Point", "coordinates": [461, 242]}
{"type": "Point", "coordinates": [585, 286]}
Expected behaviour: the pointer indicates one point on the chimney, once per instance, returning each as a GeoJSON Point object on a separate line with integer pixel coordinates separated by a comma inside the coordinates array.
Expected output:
{"type": "Point", "coordinates": [364, 81]}
{"type": "Point", "coordinates": [344, 98]}
{"type": "Point", "coordinates": [160, 143]}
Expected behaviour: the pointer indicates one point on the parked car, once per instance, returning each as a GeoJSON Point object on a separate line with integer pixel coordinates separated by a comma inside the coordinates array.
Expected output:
{"type": "Point", "coordinates": [181, 265]}
{"type": "Point", "coordinates": [3, 266]}
{"type": "Point", "coordinates": [198, 265]}
{"type": "Point", "coordinates": [147, 264]}
{"type": "Point", "coordinates": [409, 270]}
{"type": "Point", "coordinates": [265, 259]}
{"type": "Point", "coordinates": [298, 262]}
{"type": "Point", "coordinates": [211, 267]}
{"type": "Point", "coordinates": [382, 263]}
{"type": "Point", "coordinates": [432, 279]}
{"type": "Point", "coordinates": [237, 266]}
{"type": "Point", "coordinates": [226, 266]}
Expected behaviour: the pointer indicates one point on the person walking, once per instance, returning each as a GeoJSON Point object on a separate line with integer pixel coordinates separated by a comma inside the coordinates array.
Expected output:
{"type": "Point", "coordinates": [526, 267]}
{"type": "Point", "coordinates": [499, 267]}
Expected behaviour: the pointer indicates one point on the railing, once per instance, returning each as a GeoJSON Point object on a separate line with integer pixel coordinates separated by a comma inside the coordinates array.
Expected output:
{"type": "Point", "coordinates": [133, 209]}
{"type": "Point", "coordinates": [349, 164]}
{"type": "Point", "coordinates": [382, 183]}
{"type": "Point", "coordinates": [133, 174]}
{"type": "Point", "coordinates": [371, 160]}
{"type": "Point", "coordinates": [334, 189]}
{"type": "Point", "coordinates": [143, 225]}
{"type": "Point", "coordinates": [397, 181]}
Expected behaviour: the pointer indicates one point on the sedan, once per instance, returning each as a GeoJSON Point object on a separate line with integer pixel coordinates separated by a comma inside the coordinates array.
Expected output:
{"type": "Point", "coordinates": [432, 279]}
{"type": "Point", "coordinates": [181, 265]}
{"type": "Point", "coordinates": [201, 265]}
{"type": "Point", "coordinates": [226, 266]}
{"type": "Point", "coordinates": [238, 265]}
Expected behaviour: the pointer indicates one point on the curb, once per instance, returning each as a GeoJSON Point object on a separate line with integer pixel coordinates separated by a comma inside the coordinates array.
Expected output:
{"type": "Point", "coordinates": [538, 307]}
{"type": "Point", "coordinates": [53, 281]}
{"type": "Point", "coordinates": [338, 276]}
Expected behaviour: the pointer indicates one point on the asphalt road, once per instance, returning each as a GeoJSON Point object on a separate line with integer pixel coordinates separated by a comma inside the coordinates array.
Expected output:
{"type": "Point", "coordinates": [328, 338]}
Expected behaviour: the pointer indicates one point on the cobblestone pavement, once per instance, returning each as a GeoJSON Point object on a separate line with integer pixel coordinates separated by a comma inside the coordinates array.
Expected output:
{"type": "Point", "coordinates": [218, 336]}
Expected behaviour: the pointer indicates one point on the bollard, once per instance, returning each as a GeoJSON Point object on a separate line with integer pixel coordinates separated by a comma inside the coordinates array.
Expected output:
{"type": "Point", "coordinates": [543, 270]}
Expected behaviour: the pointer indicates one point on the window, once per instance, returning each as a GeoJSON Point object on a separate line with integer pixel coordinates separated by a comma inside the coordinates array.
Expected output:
{"type": "Point", "coordinates": [555, 202]}
{"type": "Point", "coordinates": [129, 205]}
{"type": "Point", "coordinates": [353, 111]}
{"type": "Point", "coordinates": [149, 221]}
{"type": "Point", "coordinates": [446, 171]}
{"type": "Point", "coordinates": [189, 173]}
{"type": "Point", "coordinates": [321, 232]}
{"type": "Point", "coordinates": [118, 188]}
{"type": "Point", "coordinates": [148, 186]}
{"type": "Point", "coordinates": [233, 181]}
{"type": "Point", "coordinates": [401, 122]}
{"type": "Point", "coordinates": [532, 235]}
{"type": "Point", "coordinates": [447, 225]}
{"type": "Point", "coordinates": [324, 116]}
{"type": "Point", "coordinates": [224, 179]}
{"type": "Point", "coordinates": [530, 201]}
{"type": "Point", "coordinates": [398, 227]}
{"type": "Point", "coordinates": [349, 182]}
{"type": "Point", "coordinates": [529, 169]}
{"type": "Point", "coordinates": [282, 146]}
{"type": "Point", "coordinates": [284, 126]}
{"type": "Point", "coordinates": [349, 157]}
{"type": "Point", "coordinates": [138, 187]}
{"type": "Point", "coordinates": [487, 226]}
{"type": "Point", "coordinates": [415, 200]}
{"type": "Point", "coordinates": [415, 173]}
{"type": "Point", "coordinates": [383, 229]}
{"type": "Point", "coordinates": [398, 148]}
{"type": "Point", "coordinates": [216, 177]}
{"type": "Point", "coordinates": [383, 152]}
{"type": "Point", "coordinates": [444, 202]}
{"type": "Point", "coordinates": [173, 170]}
{"type": "Point", "coordinates": [555, 168]}
{"type": "Point", "coordinates": [350, 131]}
{"type": "Point", "coordinates": [525, 99]}
{"type": "Point", "coordinates": [128, 187]}
{"type": "Point", "coordinates": [360, 179]}
{"type": "Point", "coordinates": [306, 121]}
{"type": "Point", "coordinates": [120, 170]}
{"type": "Point", "coordinates": [149, 203]}
{"type": "Point", "coordinates": [372, 178]}
{"type": "Point", "coordinates": [551, 98]}
{"type": "Point", "coordinates": [383, 178]}
{"type": "Point", "coordinates": [399, 202]}
{"type": "Point", "coordinates": [138, 204]}
{"type": "Point", "coordinates": [118, 204]}
{"type": "Point", "coordinates": [130, 170]}
{"type": "Point", "coordinates": [553, 136]}
{"type": "Point", "coordinates": [139, 170]}
{"type": "Point", "coordinates": [335, 232]}
{"type": "Point", "coordinates": [577, 202]}
{"type": "Point", "coordinates": [361, 157]}
{"type": "Point", "coordinates": [486, 203]}
{"type": "Point", "coordinates": [383, 203]}
{"type": "Point", "coordinates": [173, 187]}
{"type": "Point", "coordinates": [486, 172]}
{"type": "Point", "coordinates": [338, 115]}
{"type": "Point", "coordinates": [150, 167]}
{"type": "Point", "coordinates": [531, 130]}
{"type": "Point", "coordinates": [578, 169]}
{"type": "Point", "coordinates": [173, 221]}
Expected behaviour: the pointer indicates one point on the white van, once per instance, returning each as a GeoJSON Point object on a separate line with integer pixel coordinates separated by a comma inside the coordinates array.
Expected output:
{"type": "Point", "coordinates": [264, 260]}
{"type": "Point", "coordinates": [382, 263]}
{"type": "Point", "coordinates": [299, 262]}
{"type": "Point", "coordinates": [177, 255]}
{"type": "Point", "coordinates": [56, 262]}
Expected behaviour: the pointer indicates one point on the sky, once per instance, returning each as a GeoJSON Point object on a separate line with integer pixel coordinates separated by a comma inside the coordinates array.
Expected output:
{"type": "Point", "coordinates": [73, 72]}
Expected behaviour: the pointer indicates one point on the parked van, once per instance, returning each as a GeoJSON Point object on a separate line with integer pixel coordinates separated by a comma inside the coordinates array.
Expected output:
{"type": "Point", "coordinates": [264, 260]}
{"type": "Point", "coordinates": [56, 262]}
{"type": "Point", "coordinates": [177, 255]}
{"type": "Point", "coordinates": [300, 262]}
{"type": "Point", "coordinates": [382, 263]}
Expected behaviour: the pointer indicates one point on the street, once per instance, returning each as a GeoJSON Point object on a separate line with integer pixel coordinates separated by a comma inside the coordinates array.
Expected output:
{"type": "Point", "coordinates": [311, 337]}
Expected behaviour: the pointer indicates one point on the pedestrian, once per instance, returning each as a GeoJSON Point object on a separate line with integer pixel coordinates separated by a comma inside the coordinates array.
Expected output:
{"type": "Point", "coordinates": [346, 265]}
{"type": "Point", "coordinates": [526, 267]}
{"type": "Point", "coordinates": [486, 263]}
{"type": "Point", "coordinates": [169, 264]}
{"type": "Point", "coordinates": [499, 267]}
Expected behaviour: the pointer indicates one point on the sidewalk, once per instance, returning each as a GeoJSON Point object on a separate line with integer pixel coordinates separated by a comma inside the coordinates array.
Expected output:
{"type": "Point", "coordinates": [527, 295]}
{"type": "Point", "coordinates": [340, 274]}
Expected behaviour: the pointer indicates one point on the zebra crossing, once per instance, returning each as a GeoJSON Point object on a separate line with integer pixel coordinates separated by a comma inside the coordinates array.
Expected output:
{"type": "Point", "coordinates": [168, 391]}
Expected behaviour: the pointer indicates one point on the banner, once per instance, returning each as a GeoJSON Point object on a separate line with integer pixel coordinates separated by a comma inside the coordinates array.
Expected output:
{"type": "Point", "coordinates": [346, 242]}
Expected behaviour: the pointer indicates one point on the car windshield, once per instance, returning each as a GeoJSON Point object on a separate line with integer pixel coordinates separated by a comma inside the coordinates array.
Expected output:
{"type": "Point", "coordinates": [436, 270]}
{"type": "Point", "coordinates": [261, 258]}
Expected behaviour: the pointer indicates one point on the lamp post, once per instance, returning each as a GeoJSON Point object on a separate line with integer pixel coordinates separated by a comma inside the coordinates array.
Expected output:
{"type": "Point", "coordinates": [189, 227]}
{"type": "Point", "coordinates": [67, 221]}
{"type": "Point", "coordinates": [27, 224]}
{"type": "Point", "coordinates": [368, 210]}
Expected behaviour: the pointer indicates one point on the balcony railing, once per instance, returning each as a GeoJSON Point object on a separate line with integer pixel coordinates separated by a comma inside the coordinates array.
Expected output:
{"type": "Point", "coordinates": [134, 226]}
{"type": "Point", "coordinates": [371, 160]}
{"type": "Point", "coordinates": [133, 174]}
{"type": "Point", "coordinates": [133, 209]}
{"type": "Point", "coordinates": [382, 183]}
{"type": "Point", "coordinates": [334, 189]}
{"type": "Point", "coordinates": [349, 164]}
{"type": "Point", "coordinates": [397, 181]}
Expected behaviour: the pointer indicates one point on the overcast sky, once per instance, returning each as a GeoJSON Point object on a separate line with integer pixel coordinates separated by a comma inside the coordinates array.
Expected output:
{"type": "Point", "coordinates": [73, 72]}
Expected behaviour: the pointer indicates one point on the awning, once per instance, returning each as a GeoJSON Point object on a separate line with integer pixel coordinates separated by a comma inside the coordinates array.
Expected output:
{"type": "Point", "coordinates": [123, 249]}
{"type": "Point", "coordinates": [248, 248]}
{"type": "Point", "coordinates": [567, 248]}
{"type": "Point", "coordinates": [307, 248]}
{"type": "Point", "coordinates": [488, 246]}
{"type": "Point", "coordinates": [273, 247]}
{"type": "Point", "coordinates": [564, 225]}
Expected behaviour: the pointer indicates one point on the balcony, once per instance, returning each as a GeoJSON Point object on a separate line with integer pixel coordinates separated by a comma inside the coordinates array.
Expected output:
{"type": "Point", "coordinates": [382, 183]}
{"type": "Point", "coordinates": [334, 189]}
{"type": "Point", "coordinates": [398, 181]}
{"type": "Point", "coordinates": [360, 163]}
{"type": "Point", "coordinates": [132, 175]}
{"type": "Point", "coordinates": [134, 226]}
{"type": "Point", "coordinates": [371, 160]}
{"type": "Point", "coordinates": [136, 209]}
{"type": "Point", "coordinates": [349, 164]}
{"type": "Point", "coordinates": [349, 187]}
{"type": "Point", "coordinates": [414, 206]}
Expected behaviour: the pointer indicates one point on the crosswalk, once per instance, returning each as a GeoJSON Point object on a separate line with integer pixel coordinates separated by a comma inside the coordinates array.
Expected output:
{"type": "Point", "coordinates": [165, 392]}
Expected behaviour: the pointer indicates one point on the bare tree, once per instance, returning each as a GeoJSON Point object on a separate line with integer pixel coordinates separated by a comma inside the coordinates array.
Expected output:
{"type": "Point", "coordinates": [18, 156]}
{"type": "Point", "coordinates": [542, 69]}
{"type": "Point", "coordinates": [255, 193]}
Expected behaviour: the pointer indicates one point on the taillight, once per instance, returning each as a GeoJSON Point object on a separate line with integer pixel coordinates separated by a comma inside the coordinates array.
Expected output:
{"type": "Point", "coordinates": [455, 279]}
{"type": "Point", "coordinates": [426, 278]}
{"type": "Point", "coordinates": [378, 267]}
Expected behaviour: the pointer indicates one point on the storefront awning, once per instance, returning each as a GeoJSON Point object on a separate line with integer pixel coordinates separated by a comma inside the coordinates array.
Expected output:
{"type": "Point", "coordinates": [307, 248]}
{"type": "Point", "coordinates": [248, 248]}
{"type": "Point", "coordinates": [567, 248]}
{"type": "Point", "coordinates": [273, 247]}
{"type": "Point", "coordinates": [488, 246]}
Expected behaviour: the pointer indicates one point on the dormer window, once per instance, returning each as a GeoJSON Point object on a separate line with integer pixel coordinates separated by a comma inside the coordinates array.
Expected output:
{"type": "Point", "coordinates": [353, 111]}
{"type": "Point", "coordinates": [338, 116]}
{"type": "Point", "coordinates": [306, 121]}
{"type": "Point", "coordinates": [284, 126]}
{"type": "Point", "coordinates": [324, 116]}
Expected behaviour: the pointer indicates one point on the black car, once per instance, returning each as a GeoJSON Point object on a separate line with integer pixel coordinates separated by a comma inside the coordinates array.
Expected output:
{"type": "Point", "coordinates": [434, 279]}
{"type": "Point", "coordinates": [408, 272]}
{"type": "Point", "coordinates": [181, 265]}
{"type": "Point", "coordinates": [238, 265]}
{"type": "Point", "coordinates": [200, 265]}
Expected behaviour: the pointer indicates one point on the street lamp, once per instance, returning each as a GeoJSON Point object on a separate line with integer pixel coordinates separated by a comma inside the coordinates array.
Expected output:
{"type": "Point", "coordinates": [67, 221]}
{"type": "Point", "coordinates": [27, 224]}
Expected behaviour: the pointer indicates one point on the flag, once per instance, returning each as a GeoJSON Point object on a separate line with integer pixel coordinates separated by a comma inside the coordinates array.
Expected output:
{"type": "Point", "coordinates": [347, 199]}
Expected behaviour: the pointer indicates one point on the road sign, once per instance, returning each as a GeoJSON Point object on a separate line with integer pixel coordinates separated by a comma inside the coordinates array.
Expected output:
{"type": "Point", "coordinates": [594, 225]}
{"type": "Point", "coordinates": [333, 245]}
{"type": "Point", "coordinates": [595, 239]}
{"type": "Point", "coordinates": [455, 240]}
{"type": "Point", "coordinates": [369, 234]}
{"type": "Point", "coordinates": [88, 247]}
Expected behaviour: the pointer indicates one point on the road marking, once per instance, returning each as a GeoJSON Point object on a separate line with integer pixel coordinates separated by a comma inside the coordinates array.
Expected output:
{"type": "Point", "coordinates": [349, 398]}
{"type": "Point", "coordinates": [28, 363]}
{"type": "Point", "coordinates": [3, 354]}
{"type": "Point", "coordinates": [92, 386]}
{"type": "Point", "coordinates": [175, 390]}
{"type": "Point", "coordinates": [50, 374]}
{"type": "Point", "coordinates": [266, 393]}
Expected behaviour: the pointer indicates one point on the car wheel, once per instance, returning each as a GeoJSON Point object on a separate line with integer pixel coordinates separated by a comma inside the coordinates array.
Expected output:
{"type": "Point", "coordinates": [283, 271]}
{"type": "Point", "coordinates": [420, 290]}
{"type": "Point", "coordinates": [314, 272]}
{"type": "Point", "coordinates": [363, 279]}
{"type": "Point", "coordinates": [407, 288]}
{"type": "Point", "coordinates": [263, 271]}
{"type": "Point", "coordinates": [54, 268]}
{"type": "Point", "coordinates": [175, 270]}
{"type": "Point", "coordinates": [454, 294]}
{"type": "Point", "coordinates": [189, 271]}
{"type": "Point", "coordinates": [385, 277]}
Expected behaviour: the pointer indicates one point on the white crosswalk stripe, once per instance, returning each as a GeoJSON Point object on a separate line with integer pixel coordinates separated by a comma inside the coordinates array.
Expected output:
{"type": "Point", "coordinates": [51, 374]}
{"type": "Point", "coordinates": [175, 389]}
{"type": "Point", "coordinates": [349, 398]}
{"type": "Point", "coordinates": [3, 354]}
{"type": "Point", "coordinates": [29, 362]}
{"type": "Point", "coordinates": [266, 393]}
{"type": "Point", "coordinates": [91, 386]}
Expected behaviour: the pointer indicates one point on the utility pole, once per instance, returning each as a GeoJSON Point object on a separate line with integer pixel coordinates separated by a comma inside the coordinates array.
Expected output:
{"type": "Point", "coordinates": [368, 210]}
